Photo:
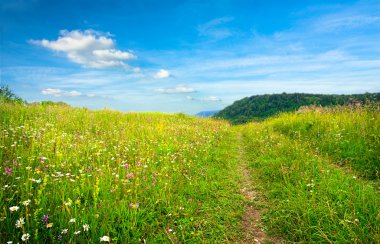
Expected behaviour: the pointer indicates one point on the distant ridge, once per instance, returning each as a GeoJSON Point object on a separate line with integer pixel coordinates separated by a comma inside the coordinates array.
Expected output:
{"type": "Point", "coordinates": [206, 114]}
{"type": "Point", "coordinates": [259, 107]}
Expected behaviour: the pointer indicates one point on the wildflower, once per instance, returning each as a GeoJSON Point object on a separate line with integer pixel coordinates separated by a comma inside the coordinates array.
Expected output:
{"type": "Point", "coordinates": [134, 205]}
{"type": "Point", "coordinates": [26, 203]}
{"type": "Point", "coordinates": [59, 238]}
{"type": "Point", "coordinates": [9, 242]}
{"type": "Point", "coordinates": [14, 208]}
{"type": "Point", "coordinates": [25, 237]}
{"type": "Point", "coordinates": [8, 171]}
{"type": "Point", "coordinates": [130, 176]}
{"type": "Point", "coordinates": [72, 220]}
{"type": "Point", "coordinates": [68, 204]}
{"type": "Point", "coordinates": [20, 222]}
{"type": "Point", "coordinates": [64, 231]}
{"type": "Point", "coordinates": [86, 227]}
{"type": "Point", "coordinates": [38, 181]}
{"type": "Point", "coordinates": [77, 232]}
{"type": "Point", "coordinates": [49, 225]}
{"type": "Point", "coordinates": [105, 238]}
{"type": "Point", "coordinates": [126, 166]}
{"type": "Point", "coordinates": [45, 218]}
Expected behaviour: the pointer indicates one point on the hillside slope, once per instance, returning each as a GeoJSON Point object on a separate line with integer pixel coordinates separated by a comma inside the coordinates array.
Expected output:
{"type": "Point", "coordinates": [317, 173]}
{"type": "Point", "coordinates": [259, 107]}
{"type": "Point", "coordinates": [76, 175]}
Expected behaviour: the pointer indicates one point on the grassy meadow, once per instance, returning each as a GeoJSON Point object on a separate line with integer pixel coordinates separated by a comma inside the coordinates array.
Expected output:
{"type": "Point", "coordinates": [318, 170]}
{"type": "Point", "coordinates": [74, 175]}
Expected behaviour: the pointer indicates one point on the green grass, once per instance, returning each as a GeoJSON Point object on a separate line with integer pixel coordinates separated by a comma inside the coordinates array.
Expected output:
{"type": "Point", "coordinates": [348, 135]}
{"type": "Point", "coordinates": [309, 198]}
{"type": "Point", "coordinates": [133, 177]}
{"type": "Point", "coordinates": [159, 178]}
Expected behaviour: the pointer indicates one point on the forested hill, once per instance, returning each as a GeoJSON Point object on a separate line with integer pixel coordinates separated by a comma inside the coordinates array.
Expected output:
{"type": "Point", "coordinates": [259, 107]}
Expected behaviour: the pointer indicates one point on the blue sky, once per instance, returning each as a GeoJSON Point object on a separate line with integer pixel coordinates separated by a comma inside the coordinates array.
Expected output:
{"type": "Point", "coordinates": [186, 56]}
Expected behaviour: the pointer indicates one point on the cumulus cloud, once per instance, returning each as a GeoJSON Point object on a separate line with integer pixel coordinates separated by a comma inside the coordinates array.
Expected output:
{"type": "Point", "coordinates": [177, 89]}
{"type": "Point", "coordinates": [88, 48]}
{"type": "Point", "coordinates": [161, 74]}
{"type": "Point", "coordinates": [60, 93]}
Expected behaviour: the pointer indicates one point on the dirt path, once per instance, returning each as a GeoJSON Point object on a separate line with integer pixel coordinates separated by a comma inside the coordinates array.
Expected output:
{"type": "Point", "coordinates": [253, 232]}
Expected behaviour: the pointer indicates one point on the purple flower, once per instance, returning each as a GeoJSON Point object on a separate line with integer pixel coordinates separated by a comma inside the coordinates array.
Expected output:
{"type": "Point", "coordinates": [45, 218]}
{"type": "Point", "coordinates": [126, 166]}
{"type": "Point", "coordinates": [59, 238]}
{"type": "Point", "coordinates": [139, 163]}
{"type": "Point", "coordinates": [130, 176]}
{"type": "Point", "coordinates": [8, 171]}
{"type": "Point", "coordinates": [134, 205]}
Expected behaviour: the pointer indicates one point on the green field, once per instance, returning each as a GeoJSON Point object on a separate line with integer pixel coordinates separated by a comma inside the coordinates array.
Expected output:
{"type": "Point", "coordinates": [73, 175]}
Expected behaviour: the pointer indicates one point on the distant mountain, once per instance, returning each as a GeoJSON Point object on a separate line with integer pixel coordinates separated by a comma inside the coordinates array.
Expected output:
{"type": "Point", "coordinates": [206, 114]}
{"type": "Point", "coordinates": [260, 107]}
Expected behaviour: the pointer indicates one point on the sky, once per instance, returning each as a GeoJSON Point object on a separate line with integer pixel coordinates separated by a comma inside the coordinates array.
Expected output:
{"type": "Point", "coordinates": [186, 55]}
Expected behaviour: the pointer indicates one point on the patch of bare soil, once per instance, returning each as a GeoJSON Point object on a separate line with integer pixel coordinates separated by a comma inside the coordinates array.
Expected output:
{"type": "Point", "coordinates": [252, 224]}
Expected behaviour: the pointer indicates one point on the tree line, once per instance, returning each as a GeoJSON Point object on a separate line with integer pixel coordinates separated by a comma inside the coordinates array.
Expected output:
{"type": "Point", "coordinates": [259, 107]}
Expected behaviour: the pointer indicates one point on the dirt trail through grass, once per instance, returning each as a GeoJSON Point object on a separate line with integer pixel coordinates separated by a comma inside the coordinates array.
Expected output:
{"type": "Point", "coordinates": [252, 226]}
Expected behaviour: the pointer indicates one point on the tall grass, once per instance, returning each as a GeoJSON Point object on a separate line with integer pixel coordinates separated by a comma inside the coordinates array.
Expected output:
{"type": "Point", "coordinates": [77, 176]}
{"type": "Point", "coordinates": [350, 135]}
{"type": "Point", "coordinates": [309, 199]}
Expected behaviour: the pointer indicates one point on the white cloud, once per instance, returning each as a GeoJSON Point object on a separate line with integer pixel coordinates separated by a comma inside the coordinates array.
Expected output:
{"type": "Point", "coordinates": [161, 74]}
{"type": "Point", "coordinates": [205, 99]}
{"type": "Point", "coordinates": [177, 89]}
{"type": "Point", "coordinates": [339, 22]}
{"type": "Point", "coordinates": [214, 30]}
{"type": "Point", "coordinates": [88, 48]}
{"type": "Point", "coordinates": [110, 54]}
{"type": "Point", "coordinates": [60, 93]}
{"type": "Point", "coordinates": [211, 99]}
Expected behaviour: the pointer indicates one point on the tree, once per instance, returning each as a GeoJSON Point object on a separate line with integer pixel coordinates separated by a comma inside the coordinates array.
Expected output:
{"type": "Point", "coordinates": [7, 95]}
